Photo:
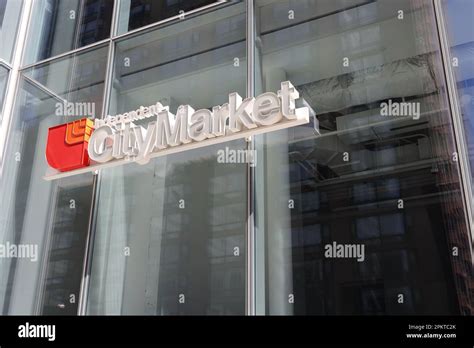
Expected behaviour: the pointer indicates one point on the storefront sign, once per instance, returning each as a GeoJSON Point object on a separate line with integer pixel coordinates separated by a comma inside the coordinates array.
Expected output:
{"type": "Point", "coordinates": [81, 146]}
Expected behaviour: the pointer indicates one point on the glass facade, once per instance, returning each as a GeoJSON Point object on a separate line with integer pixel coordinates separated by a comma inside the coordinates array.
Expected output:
{"type": "Point", "coordinates": [61, 26]}
{"type": "Point", "coordinates": [364, 177]}
{"type": "Point", "coordinates": [186, 234]}
{"type": "Point", "coordinates": [52, 215]}
{"type": "Point", "coordinates": [462, 60]}
{"type": "Point", "coordinates": [186, 241]}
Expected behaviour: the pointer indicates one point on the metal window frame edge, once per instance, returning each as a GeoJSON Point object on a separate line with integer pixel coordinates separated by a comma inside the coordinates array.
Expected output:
{"type": "Point", "coordinates": [250, 265]}
{"type": "Point", "coordinates": [456, 117]}
{"type": "Point", "coordinates": [91, 230]}
{"type": "Point", "coordinates": [87, 261]}
{"type": "Point", "coordinates": [14, 78]}
{"type": "Point", "coordinates": [7, 82]}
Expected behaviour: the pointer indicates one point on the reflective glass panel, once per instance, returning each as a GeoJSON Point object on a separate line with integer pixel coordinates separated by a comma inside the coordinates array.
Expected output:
{"type": "Point", "coordinates": [170, 234]}
{"type": "Point", "coordinates": [135, 14]}
{"type": "Point", "coordinates": [47, 219]}
{"type": "Point", "coordinates": [58, 26]}
{"type": "Point", "coordinates": [358, 211]}
{"type": "Point", "coordinates": [460, 28]}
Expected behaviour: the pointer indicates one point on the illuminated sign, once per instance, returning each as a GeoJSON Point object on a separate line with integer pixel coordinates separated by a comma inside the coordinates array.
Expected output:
{"type": "Point", "coordinates": [117, 140]}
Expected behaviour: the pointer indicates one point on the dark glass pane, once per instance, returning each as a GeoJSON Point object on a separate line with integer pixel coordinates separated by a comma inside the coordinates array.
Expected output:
{"type": "Point", "coordinates": [386, 192]}
{"type": "Point", "coordinates": [67, 248]}
{"type": "Point", "coordinates": [59, 26]}
{"type": "Point", "coordinates": [143, 12]}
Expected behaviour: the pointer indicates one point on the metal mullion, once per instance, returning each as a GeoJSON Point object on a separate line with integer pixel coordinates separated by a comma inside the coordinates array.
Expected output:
{"type": "Point", "coordinates": [108, 77]}
{"type": "Point", "coordinates": [115, 19]}
{"type": "Point", "coordinates": [5, 64]}
{"type": "Point", "coordinates": [43, 88]}
{"type": "Point", "coordinates": [7, 83]}
{"type": "Point", "coordinates": [250, 305]}
{"type": "Point", "coordinates": [12, 86]}
{"type": "Point", "coordinates": [65, 54]}
{"type": "Point", "coordinates": [87, 262]}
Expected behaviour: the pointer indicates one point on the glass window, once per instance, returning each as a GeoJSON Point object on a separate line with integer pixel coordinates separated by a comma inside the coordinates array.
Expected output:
{"type": "Point", "coordinates": [378, 149]}
{"type": "Point", "coordinates": [459, 14]}
{"type": "Point", "coordinates": [66, 246]}
{"type": "Point", "coordinates": [50, 217]}
{"type": "Point", "coordinates": [134, 14]}
{"type": "Point", "coordinates": [58, 26]}
{"type": "Point", "coordinates": [367, 227]}
{"type": "Point", "coordinates": [460, 28]}
{"type": "Point", "coordinates": [10, 11]}
{"type": "Point", "coordinates": [78, 80]}
{"type": "Point", "coordinates": [170, 234]}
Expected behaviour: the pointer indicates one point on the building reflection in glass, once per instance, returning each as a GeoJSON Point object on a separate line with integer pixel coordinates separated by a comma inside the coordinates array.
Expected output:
{"type": "Point", "coordinates": [389, 183]}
